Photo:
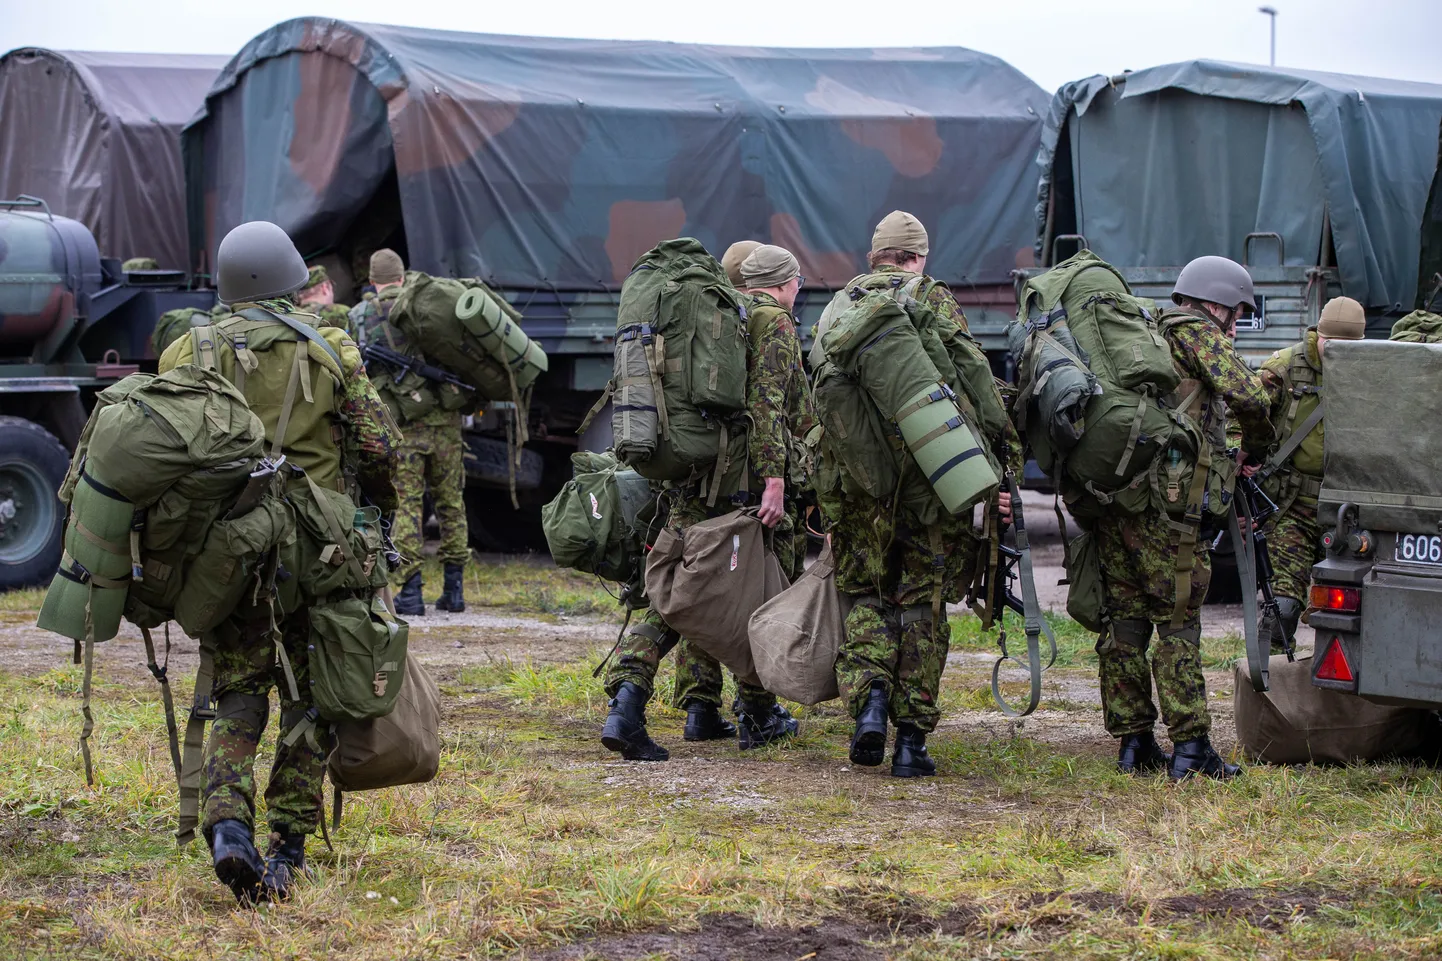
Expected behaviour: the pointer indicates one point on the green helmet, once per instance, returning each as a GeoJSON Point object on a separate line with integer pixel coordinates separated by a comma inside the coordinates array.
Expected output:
{"type": "Point", "coordinates": [257, 261]}
{"type": "Point", "coordinates": [1216, 280]}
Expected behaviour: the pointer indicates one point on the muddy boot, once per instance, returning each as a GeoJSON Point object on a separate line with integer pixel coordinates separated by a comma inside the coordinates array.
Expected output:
{"type": "Point", "coordinates": [760, 728]}
{"type": "Point", "coordinates": [409, 601]}
{"type": "Point", "coordinates": [284, 865]}
{"type": "Point", "coordinates": [237, 862]}
{"type": "Point", "coordinates": [1271, 636]}
{"type": "Point", "coordinates": [625, 729]}
{"type": "Point", "coordinates": [1141, 754]}
{"type": "Point", "coordinates": [705, 723]}
{"type": "Point", "coordinates": [453, 595]}
{"type": "Point", "coordinates": [910, 759]}
{"type": "Point", "coordinates": [1198, 757]}
{"type": "Point", "coordinates": [868, 744]}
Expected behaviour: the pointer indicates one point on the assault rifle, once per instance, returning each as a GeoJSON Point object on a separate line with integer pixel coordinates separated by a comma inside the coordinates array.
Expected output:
{"type": "Point", "coordinates": [402, 364]}
{"type": "Point", "coordinates": [1251, 509]}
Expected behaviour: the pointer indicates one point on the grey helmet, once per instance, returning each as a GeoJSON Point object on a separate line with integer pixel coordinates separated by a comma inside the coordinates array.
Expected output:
{"type": "Point", "coordinates": [1216, 280]}
{"type": "Point", "coordinates": [257, 261]}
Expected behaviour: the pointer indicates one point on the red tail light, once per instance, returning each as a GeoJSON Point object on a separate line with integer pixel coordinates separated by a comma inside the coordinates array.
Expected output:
{"type": "Point", "coordinates": [1344, 599]}
{"type": "Point", "coordinates": [1334, 666]}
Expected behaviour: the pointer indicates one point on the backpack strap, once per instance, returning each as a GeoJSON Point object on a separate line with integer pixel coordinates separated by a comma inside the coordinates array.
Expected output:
{"type": "Point", "coordinates": [202, 341]}
{"type": "Point", "coordinates": [158, 671]}
{"type": "Point", "coordinates": [1290, 445]}
{"type": "Point", "coordinates": [1190, 529]}
{"type": "Point", "coordinates": [202, 711]}
{"type": "Point", "coordinates": [305, 330]}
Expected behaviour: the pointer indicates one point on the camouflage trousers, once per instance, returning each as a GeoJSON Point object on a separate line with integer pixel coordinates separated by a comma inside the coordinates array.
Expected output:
{"type": "Point", "coordinates": [246, 668]}
{"type": "Point", "coordinates": [889, 570]}
{"type": "Point", "coordinates": [1138, 560]}
{"type": "Point", "coordinates": [1294, 541]}
{"type": "Point", "coordinates": [699, 676]}
{"type": "Point", "coordinates": [431, 456]}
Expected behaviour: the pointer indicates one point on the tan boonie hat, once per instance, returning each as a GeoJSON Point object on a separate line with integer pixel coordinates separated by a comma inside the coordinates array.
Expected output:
{"type": "Point", "coordinates": [899, 230]}
{"type": "Point", "coordinates": [386, 267]}
{"type": "Point", "coordinates": [769, 266]}
{"type": "Point", "coordinates": [731, 259]}
{"type": "Point", "coordinates": [317, 277]}
{"type": "Point", "coordinates": [1343, 319]}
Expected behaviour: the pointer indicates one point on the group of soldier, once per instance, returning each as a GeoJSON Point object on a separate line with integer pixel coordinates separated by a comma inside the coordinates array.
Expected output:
{"type": "Point", "coordinates": [896, 573]}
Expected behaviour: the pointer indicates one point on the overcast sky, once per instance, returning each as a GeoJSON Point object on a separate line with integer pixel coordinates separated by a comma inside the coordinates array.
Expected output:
{"type": "Point", "coordinates": [1052, 41]}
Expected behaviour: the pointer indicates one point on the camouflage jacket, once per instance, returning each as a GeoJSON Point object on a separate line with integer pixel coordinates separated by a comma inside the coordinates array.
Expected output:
{"type": "Point", "coordinates": [331, 315]}
{"type": "Point", "coordinates": [778, 397]}
{"type": "Point", "coordinates": [1217, 381]}
{"type": "Point", "coordinates": [370, 320]}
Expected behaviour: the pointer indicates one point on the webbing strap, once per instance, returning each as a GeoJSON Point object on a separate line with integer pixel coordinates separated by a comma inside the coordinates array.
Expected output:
{"type": "Point", "coordinates": [1034, 624]}
{"type": "Point", "coordinates": [202, 710]}
{"type": "Point", "coordinates": [723, 464]}
{"type": "Point", "coordinates": [926, 401]}
{"type": "Point", "coordinates": [73, 570]}
{"type": "Point", "coordinates": [110, 547]}
{"type": "Point", "coordinates": [655, 353]}
{"type": "Point", "coordinates": [1240, 527]}
{"type": "Point", "coordinates": [88, 726]}
{"type": "Point", "coordinates": [305, 330]}
{"type": "Point", "coordinates": [938, 573]}
{"type": "Point", "coordinates": [287, 406]}
{"type": "Point", "coordinates": [337, 533]}
{"type": "Point", "coordinates": [305, 727]}
{"type": "Point", "coordinates": [1190, 530]}
{"type": "Point", "coordinates": [1289, 446]}
{"type": "Point", "coordinates": [1133, 437]}
{"type": "Point", "coordinates": [158, 671]}
{"type": "Point", "coordinates": [202, 346]}
{"type": "Point", "coordinates": [597, 407]}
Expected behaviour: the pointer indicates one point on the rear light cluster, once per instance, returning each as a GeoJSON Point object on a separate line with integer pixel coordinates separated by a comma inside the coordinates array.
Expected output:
{"type": "Point", "coordinates": [1334, 665]}
{"type": "Point", "coordinates": [1344, 600]}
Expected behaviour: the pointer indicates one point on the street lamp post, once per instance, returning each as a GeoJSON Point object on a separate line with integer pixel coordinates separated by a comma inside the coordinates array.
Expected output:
{"type": "Point", "coordinates": [1271, 13]}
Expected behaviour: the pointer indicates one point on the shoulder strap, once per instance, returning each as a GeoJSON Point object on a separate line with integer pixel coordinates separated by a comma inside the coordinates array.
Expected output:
{"type": "Point", "coordinates": [305, 330]}
{"type": "Point", "coordinates": [202, 340]}
{"type": "Point", "coordinates": [1280, 455]}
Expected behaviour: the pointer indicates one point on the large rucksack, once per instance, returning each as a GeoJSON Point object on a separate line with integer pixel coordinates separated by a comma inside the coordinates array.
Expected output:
{"type": "Point", "coordinates": [1418, 327]}
{"type": "Point", "coordinates": [679, 379]}
{"type": "Point", "coordinates": [1093, 372]}
{"type": "Point", "coordinates": [893, 422]}
{"type": "Point", "coordinates": [596, 523]}
{"type": "Point", "coordinates": [396, 370]}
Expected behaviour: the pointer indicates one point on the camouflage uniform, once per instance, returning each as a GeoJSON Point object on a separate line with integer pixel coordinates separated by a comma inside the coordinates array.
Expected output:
{"type": "Point", "coordinates": [779, 402]}
{"type": "Point", "coordinates": [246, 663]}
{"type": "Point", "coordinates": [1293, 380]}
{"type": "Point", "coordinates": [1139, 554]}
{"type": "Point", "coordinates": [432, 455]}
{"type": "Point", "coordinates": [897, 575]}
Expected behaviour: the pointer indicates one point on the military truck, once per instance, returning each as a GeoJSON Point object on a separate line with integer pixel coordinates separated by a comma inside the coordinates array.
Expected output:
{"type": "Point", "coordinates": [71, 323]}
{"type": "Point", "coordinates": [1376, 599]}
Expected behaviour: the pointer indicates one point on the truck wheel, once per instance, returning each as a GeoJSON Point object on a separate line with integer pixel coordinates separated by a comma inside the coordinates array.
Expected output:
{"type": "Point", "coordinates": [32, 521]}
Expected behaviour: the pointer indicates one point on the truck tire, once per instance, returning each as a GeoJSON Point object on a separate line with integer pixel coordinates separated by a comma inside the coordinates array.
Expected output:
{"type": "Point", "coordinates": [32, 520]}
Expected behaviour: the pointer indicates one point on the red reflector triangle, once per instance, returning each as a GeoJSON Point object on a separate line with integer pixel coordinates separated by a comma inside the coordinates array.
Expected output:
{"type": "Point", "coordinates": [1334, 665]}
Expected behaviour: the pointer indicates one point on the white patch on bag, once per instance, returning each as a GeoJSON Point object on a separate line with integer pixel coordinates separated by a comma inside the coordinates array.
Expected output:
{"type": "Point", "coordinates": [595, 507]}
{"type": "Point", "coordinates": [735, 550]}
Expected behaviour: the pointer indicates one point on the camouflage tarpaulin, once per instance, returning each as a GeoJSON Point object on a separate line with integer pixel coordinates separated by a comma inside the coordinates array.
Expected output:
{"type": "Point", "coordinates": [555, 163]}
{"type": "Point", "coordinates": [97, 137]}
{"type": "Point", "coordinates": [1186, 159]}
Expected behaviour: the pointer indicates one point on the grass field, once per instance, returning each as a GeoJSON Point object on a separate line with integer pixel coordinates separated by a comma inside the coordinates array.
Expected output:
{"type": "Point", "coordinates": [535, 842]}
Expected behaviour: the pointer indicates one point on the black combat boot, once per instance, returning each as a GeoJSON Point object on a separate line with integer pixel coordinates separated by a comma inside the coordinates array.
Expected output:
{"type": "Point", "coordinates": [868, 744]}
{"type": "Point", "coordinates": [760, 728]}
{"type": "Point", "coordinates": [1271, 636]}
{"type": "Point", "coordinates": [625, 729]}
{"type": "Point", "coordinates": [1197, 756]}
{"type": "Point", "coordinates": [409, 601]}
{"type": "Point", "coordinates": [453, 595]}
{"type": "Point", "coordinates": [284, 864]}
{"type": "Point", "coordinates": [705, 723]}
{"type": "Point", "coordinates": [237, 862]}
{"type": "Point", "coordinates": [1141, 754]}
{"type": "Point", "coordinates": [910, 759]}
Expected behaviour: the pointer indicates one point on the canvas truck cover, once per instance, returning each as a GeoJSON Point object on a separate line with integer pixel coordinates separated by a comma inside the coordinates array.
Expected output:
{"type": "Point", "coordinates": [97, 137]}
{"type": "Point", "coordinates": [1384, 444]}
{"type": "Point", "coordinates": [553, 163]}
{"type": "Point", "coordinates": [1172, 162]}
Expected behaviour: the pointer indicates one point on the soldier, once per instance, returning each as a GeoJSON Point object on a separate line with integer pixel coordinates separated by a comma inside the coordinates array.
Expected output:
{"type": "Point", "coordinates": [897, 572]}
{"type": "Point", "coordinates": [780, 407]}
{"type": "Point", "coordinates": [1155, 570]}
{"type": "Point", "coordinates": [1293, 472]}
{"type": "Point", "coordinates": [258, 266]}
{"type": "Point", "coordinates": [732, 258]}
{"type": "Point", "coordinates": [318, 297]}
{"type": "Point", "coordinates": [430, 456]}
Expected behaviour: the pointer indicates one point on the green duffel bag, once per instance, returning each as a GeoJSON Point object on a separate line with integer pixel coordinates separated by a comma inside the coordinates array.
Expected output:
{"type": "Point", "coordinates": [402, 747]}
{"type": "Point", "coordinates": [591, 525]}
{"type": "Point", "coordinates": [357, 658]}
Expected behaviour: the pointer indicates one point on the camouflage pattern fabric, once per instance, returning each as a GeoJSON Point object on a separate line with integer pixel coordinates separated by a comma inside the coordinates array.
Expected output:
{"type": "Point", "coordinates": [1294, 540]}
{"type": "Point", "coordinates": [431, 456]}
{"type": "Point", "coordinates": [1139, 555]}
{"type": "Point", "coordinates": [246, 669]}
{"type": "Point", "coordinates": [778, 396]}
{"type": "Point", "coordinates": [331, 315]}
{"type": "Point", "coordinates": [904, 650]}
{"type": "Point", "coordinates": [1294, 536]}
{"type": "Point", "coordinates": [1126, 679]}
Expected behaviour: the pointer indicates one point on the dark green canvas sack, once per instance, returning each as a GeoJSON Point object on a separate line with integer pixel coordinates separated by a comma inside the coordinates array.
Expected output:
{"type": "Point", "coordinates": [1092, 371]}
{"type": "Point", "coordinates": [1418, 327]}
{"type": "Point", "coordinates": [357, 658]}
{"type": "Point", "coordinates": [1085, 597]}
{"type": "Point", "coordinates": [591, 526]}
{"type": "Point", "coordinates": [679, 378]}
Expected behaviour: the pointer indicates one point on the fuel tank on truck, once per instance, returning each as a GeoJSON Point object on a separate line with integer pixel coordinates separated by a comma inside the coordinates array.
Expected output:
{"type": "Point", "coordinates": [48, 265]}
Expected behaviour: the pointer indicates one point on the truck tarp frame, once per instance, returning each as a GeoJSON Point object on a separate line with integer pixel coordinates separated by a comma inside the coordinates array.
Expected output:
{"type": "Point", "coordinates": [97, 137]}
{"type": "Point", "coordinates": [1372, 160]}
{"type": "Point", "coordinates": [547, 163]}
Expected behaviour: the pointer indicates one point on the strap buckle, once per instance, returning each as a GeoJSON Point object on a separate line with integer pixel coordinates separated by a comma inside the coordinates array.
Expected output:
{"type": "Point", "coordinates": [202, 708]}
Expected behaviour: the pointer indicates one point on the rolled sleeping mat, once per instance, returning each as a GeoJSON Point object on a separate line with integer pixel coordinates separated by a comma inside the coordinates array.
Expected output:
{"type": "Point", "coordinates": [635, 421]}
{"type": "Point", "coordinates": [502, 337]}
{"type": "Point", "coordinates": [95, 570]}
{"type": "Point", "coordinates": [945, 448]}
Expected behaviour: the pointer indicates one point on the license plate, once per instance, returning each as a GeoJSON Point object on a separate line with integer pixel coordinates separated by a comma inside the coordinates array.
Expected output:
{"type": "Point", "coordinates": [1419, 548]}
